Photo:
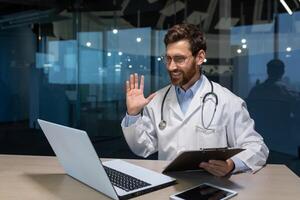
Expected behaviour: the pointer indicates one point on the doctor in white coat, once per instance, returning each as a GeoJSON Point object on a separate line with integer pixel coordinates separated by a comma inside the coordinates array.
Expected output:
{"type": "Point", "coordinates": [192, 112]}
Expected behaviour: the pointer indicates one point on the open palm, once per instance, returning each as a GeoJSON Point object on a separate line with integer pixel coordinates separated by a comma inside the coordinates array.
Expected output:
{"type": "Point", "coordinates": [135, 99]}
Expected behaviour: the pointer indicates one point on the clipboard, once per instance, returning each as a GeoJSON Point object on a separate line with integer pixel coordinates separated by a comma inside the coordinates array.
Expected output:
{"type": "Point", "coordinates": [189, 160]}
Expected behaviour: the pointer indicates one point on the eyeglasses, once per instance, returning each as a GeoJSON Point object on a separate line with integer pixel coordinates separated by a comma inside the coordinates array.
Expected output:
{"type": "Point", "coordinates": [178, 60]}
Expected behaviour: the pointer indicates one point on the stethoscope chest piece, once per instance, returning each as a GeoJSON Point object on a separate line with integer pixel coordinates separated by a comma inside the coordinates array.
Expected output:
{"type": "Point", "coordinates": [162, 124]}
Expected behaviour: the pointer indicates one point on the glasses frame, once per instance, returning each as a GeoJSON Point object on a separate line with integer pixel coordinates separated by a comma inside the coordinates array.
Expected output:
{"type": "Point", "coordinates": [177, 59]}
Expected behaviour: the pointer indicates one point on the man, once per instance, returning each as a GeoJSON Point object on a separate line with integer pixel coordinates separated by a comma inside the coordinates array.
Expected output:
{"type": "Point", "coordinates": [196, 113]}
{"type": "Point", "coordinates": [273, 88]}
{"type": "Point", "coordinates": [273, 105]}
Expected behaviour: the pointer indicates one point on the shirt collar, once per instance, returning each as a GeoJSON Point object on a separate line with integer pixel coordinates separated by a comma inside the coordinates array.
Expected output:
{"type": "Point", "coordinates": [193, 89]}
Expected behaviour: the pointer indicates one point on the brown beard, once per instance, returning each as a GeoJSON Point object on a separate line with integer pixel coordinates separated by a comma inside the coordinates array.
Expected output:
{"type": "Point", "coordinates": [184, 77]}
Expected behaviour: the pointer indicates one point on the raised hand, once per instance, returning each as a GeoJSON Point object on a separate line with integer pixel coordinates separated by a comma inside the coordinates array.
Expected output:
{"type": "Point", "coordinates": [135, 100]}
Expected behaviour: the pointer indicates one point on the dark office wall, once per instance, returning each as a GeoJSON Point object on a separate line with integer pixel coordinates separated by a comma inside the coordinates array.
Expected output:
{"type": "Point", "coordinates": [17, 54]}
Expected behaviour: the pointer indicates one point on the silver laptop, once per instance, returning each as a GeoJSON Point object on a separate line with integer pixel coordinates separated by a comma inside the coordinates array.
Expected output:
{"type": "Point", "coordinates": [117, 179]}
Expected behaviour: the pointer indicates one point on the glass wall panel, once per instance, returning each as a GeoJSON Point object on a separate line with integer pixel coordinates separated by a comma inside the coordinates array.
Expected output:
{"type": "Point", "coordinates": [67, 62]}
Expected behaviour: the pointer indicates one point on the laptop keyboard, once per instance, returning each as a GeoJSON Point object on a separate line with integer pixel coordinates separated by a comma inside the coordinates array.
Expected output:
{"type": "Point", "coordinates": [124, 181]}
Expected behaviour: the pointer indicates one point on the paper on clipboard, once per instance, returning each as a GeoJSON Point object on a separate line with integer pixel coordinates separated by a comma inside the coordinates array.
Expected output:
{"type": "Point", "coordinates": [190, 160]}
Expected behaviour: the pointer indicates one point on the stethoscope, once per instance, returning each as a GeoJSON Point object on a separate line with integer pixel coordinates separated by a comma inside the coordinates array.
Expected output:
{"type": "Point", "coordinates": [163, 123]}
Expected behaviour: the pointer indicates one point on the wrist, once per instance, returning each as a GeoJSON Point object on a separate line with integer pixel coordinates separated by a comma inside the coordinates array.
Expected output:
{"type": "Point", "coordinates": [231, 165]}
{"type": "Point", "coordinates": [133, 113]}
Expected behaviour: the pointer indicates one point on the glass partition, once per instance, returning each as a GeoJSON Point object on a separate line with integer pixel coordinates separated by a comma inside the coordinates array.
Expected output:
{"type": "Point", "coordinates": [67, 62]}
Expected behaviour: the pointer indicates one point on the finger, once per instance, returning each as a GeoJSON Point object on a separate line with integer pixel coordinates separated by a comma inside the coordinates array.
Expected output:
{"type": "Point", "coordinates": [218, 163]}
{"type": "Point", "coordinates": [142, 83]}
{"type": "Point", "coordinates": [215, 172]}
{"type": "Point", "coordinates": [213, 169]}
{"type": "Point", "coordinates": [219, 166]}
{"type": "Point", "coordinates": [127, 86]}
{"type": "Point", "coordinates": [131, 81]}
{"type": "Point", "coordinates": [222, 170]}
{"type": "Point", "coordinates": [224, 166]}
{"type": "Point", "coordinates": [136, 81]}
{"type": "Point", "coordinates": [150, 97]}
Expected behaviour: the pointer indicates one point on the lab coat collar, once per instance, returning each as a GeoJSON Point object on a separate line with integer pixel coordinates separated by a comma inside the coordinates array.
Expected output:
{"type": "Point", "coordinates": [172, 101]}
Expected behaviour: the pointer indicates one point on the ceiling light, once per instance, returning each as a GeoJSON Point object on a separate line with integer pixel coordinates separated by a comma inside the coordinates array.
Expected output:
{"type": "Point", "coordinates": [286, 7]}
{"type": "Point", "coordinates": [88, 44]}
{"type": "Point", "coordinates": [115, 31]}
{"type": "Point", "coordinates": [138, 39]}
{"type": "Point", "coordinates": [205, 60]}
{"type": "Point", "coordinates": [239, 51]}
{"type": "Point", "coordinates": [288, 49]}
{"type": "Point", "coordinates": [244, 46]}
{"type": "Point", "coordinates": [108, 54]}
{"type": "Point", "coordinates": [120, 53]}
{"type": "Point", "coordinates": [243, 40]}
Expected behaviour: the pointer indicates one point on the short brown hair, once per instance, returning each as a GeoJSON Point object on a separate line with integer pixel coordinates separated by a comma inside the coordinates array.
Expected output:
{"type": "Point", "coordinates": [188, 32]}
{"type": "Point", "coordinates": [275, 68]}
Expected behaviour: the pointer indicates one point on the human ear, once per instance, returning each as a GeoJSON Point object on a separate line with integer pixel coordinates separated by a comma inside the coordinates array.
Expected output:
{"type": "Point", "coordinates": [200, 57]}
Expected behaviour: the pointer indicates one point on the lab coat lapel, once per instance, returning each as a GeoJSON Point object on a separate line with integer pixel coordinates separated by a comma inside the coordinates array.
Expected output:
{"type": "Point", "coordinates": [172, 101]}
{"type": "Point", "coordinates": [196, 102]}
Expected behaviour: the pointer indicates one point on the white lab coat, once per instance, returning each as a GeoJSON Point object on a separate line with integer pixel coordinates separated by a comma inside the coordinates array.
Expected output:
{"type": "Point", "coordinates": [232, 126]}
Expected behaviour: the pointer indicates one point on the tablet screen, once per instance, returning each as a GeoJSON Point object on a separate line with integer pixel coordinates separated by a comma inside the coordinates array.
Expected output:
{"type": "Point", "coordinates": [205, 192]}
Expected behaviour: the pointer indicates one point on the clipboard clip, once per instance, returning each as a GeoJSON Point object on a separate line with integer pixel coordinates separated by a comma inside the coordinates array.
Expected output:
{"type": "Point", "coordinates": [214, 149]}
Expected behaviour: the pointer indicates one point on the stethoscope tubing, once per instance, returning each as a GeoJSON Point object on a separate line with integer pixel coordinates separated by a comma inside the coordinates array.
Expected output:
{"type": "Point", "coordinates": [162, 124]}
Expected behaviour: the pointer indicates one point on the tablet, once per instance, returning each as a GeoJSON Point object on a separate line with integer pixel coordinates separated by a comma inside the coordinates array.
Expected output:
{"type": "Point", "coordinates": [205, 191]}
{"type": "Point", "coordinates": [190, 160]}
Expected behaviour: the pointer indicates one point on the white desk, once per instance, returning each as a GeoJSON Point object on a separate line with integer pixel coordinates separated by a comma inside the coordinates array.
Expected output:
{"type": "Point", "coordinates": [41, 177]}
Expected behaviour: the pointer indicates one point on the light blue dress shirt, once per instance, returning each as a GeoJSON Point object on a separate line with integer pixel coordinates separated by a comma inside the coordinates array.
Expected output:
{"type": "Point", "coordinates": [184, 99]}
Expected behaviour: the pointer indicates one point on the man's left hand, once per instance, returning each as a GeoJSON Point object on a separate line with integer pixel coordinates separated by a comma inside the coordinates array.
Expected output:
{"type": "Point", "coordinates": [218, 167]}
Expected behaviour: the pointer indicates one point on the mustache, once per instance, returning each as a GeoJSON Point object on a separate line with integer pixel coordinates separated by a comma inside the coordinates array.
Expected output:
{"type": "Point", "coordinates": [174, 71]}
